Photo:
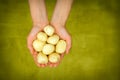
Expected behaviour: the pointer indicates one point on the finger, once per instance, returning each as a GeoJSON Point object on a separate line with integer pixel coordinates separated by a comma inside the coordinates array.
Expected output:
{"type": "Point", "coordinates": [68, 40]}
{"type": "Point", "coordinates": [68, 46]}
{"type": "Point", "coordinates": [35, 30]}
{"type": "Point", "coordinates": [56, 64]}
{"type": "Point", "coordinates": [42, 65]}
{"type": "Point", "coordinates": [31, 49]}
{"type": "Point", "coordinates": [62, 55]}
{"type": "Point", "coordinates": [45, 65]}
{"type": "Point", "coordinates": [32, 37]}
{"type": "Point", "coordinates": [29, 44]}
{"type": "Point", "coordinates": [51, 64]}
{"type": "Point", "coordinates": [37, 64]}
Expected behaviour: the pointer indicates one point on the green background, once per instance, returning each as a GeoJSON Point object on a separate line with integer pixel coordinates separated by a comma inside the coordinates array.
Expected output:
{"type": "Point", "coordinates": [94, 26]}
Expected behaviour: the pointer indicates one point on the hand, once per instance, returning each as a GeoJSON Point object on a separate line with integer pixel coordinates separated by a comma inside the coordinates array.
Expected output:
{"type": "Point", "coordinates": [61, 31]}
{"type": "Point", "coordinates": [30, 38]}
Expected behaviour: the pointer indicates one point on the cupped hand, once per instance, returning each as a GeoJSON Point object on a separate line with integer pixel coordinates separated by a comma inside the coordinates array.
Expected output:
{"type": "Point", "coordinates": [31, 37]}
{"type": "Point", "coordinates": [62, 32]}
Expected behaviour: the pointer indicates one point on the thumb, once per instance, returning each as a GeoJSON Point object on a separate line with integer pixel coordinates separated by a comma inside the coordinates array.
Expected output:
{"type": "Point", "coordinates": [68, 41]}
{"type": "Point", "coordinates": [35, 30]}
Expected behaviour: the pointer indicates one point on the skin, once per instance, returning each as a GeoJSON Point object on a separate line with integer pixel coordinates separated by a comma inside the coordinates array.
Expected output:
{"type": "Point", "coordinates": [58, 21]}
{"type": "Point", "coordinates": [39, 18]}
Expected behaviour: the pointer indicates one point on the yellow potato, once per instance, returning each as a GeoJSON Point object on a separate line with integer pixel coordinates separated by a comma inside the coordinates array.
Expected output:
{"type": "Point", "coordinates": [61, 46]}
{"type": "Point", "coordinates": [48, 49]}
{"type": "Point", "coordinates": [49, 46]}
{"type": "Point", "coordinates": [42, 58]}
{"type": "Point", "coordinates": [54, 57]}
{"type": "Point", "coordinates": [38, 45]}
{"type": "Point", "coordinates": [42, 36]}
{"type": "Point", "coordinates": [49, 30]}
{"type": "Point", "coordinates": [53, 39]}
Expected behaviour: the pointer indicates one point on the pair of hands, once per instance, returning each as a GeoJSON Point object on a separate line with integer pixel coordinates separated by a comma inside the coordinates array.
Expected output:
{"type": "Point", "coordinates": [60, 30]}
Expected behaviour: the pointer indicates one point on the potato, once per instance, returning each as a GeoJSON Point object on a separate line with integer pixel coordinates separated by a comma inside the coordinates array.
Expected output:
{"type": "Point", "coordinates": [49, 46]}
{"type": "Point", "coordinates": [42, 36]}
{"type": "Point", "coordinates": [48, 49]}
{"type": "Point", "coordinates": [53, 39]}
{"type": "Point", "coordinates": [61, 46]}
{"type": "Point", "coordinates": [42, 58]}
{"type": "Point", "coordinates": [49, 30]}
{"type": "Point", "coordinates": [38, 45]}
{"type": "Point", "coordinates": [54, 57]}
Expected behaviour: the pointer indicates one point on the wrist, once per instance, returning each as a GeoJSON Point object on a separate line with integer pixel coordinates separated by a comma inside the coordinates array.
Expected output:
{"type": "Point", "coordinates": [57, 24]}
{"type": "Point", "coordinates": [40, 24]}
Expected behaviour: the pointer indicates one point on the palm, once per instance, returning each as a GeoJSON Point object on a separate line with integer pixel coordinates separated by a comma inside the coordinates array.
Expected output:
{"type": "Point", "coordinates": [65, 36]}
{"type": "Point", "coordinates": [31, 37]}
{"type": "Point", "coordinates": [60, 31]}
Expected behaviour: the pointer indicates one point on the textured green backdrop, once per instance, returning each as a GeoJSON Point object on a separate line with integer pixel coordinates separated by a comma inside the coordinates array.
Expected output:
{"type": "Point", "coordinates": [95, 55]}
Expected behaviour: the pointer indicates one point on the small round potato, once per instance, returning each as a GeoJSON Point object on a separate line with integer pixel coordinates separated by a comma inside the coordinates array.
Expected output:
{"type": "Point", "coordinates": [53, 39]}
{"type": "Point", "coordinates": [48, 49]}
{"type": "Point", "coordinates": [61, 46]}
{"type": "Point", "coordinates": [49, 30]}
{"type": "Point", "coordinates": [38, 45]}
{"type": "Point", "coordinates": [54, 57]}
{"type": "Point", "coordinates": [42, 58]}
{"type": "Point", "coordinates": [42, 36]}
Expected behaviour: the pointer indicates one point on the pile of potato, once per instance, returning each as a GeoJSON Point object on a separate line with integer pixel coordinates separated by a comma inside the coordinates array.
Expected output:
{"type": "Point", "coordinates": [49, 46]}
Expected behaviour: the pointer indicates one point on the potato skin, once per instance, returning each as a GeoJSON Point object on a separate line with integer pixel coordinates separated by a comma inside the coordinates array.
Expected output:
{"type": "Point", "coordinates": [54, 57]}
{"type": "Point", "coordinates": [61, 46]}
{"type": "Point", "coordinates": [42, 58]}
{"type": "Point", "coordinates": [42, 36]}
{"type": "Point", "coordinates": [48, 49]}
{"type": "Point", "coordinates": [49, 30]}
{"type": "Point", "coordinates": [53, 39]}
{"type": "Point", "coordinates": [38, 45]}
